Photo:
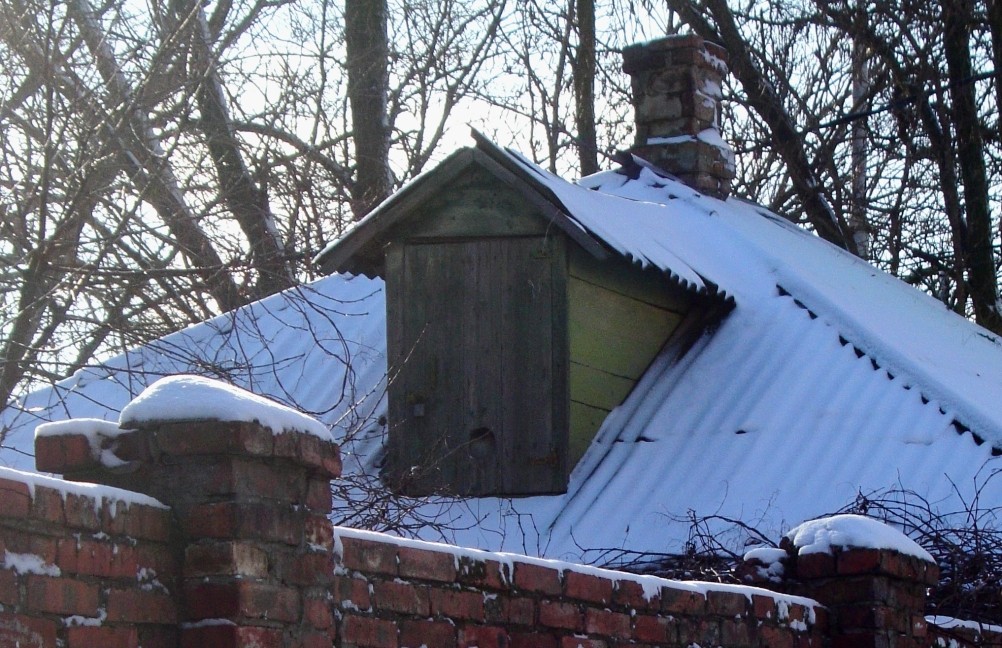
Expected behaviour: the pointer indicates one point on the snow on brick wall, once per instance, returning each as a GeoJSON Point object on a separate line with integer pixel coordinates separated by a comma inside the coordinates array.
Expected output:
{"type": "Point", "coordinates": [83, 565]}
{"type": "Point", "coordinates": [401, 593]}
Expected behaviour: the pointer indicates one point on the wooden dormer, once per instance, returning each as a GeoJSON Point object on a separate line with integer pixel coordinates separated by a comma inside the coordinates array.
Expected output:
{"type": "Point", "coordinates": [511, 331]}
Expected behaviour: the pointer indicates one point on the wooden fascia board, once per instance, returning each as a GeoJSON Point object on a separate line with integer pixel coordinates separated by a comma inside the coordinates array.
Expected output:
{"type": "Point", "coordinates": [367, 234]}
{"type": "Point", "coordinates": [361, 247]}
{"type": "Point", "coordinates": [540, 197]}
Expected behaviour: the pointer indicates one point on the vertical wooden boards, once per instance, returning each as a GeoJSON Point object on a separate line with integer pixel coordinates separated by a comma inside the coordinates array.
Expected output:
{"type": "Point", "coordinates": [533, 460]}
{"type": "Point", "coordinates": [472, 408]}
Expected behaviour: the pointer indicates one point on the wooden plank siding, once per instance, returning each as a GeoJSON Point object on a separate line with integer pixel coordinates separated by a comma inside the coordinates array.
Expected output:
{"type": "Point", "coordinates": [472, 406]}
{"type": "Point", "coordinates": [619, 318]}
{"type": "Point", "coordinates": [508, 343]}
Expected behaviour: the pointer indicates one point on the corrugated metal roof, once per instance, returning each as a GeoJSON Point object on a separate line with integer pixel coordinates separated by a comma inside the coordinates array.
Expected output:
{"type": "Point", "coordinates": [827, 379]}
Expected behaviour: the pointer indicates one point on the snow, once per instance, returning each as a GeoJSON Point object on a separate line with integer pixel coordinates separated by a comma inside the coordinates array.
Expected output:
{"type": "Point", "coordinates": [651, 585]}
{"type": "Point", "coordinates": [946, 622]}
{"type": "Point", "coordinates": [187, 397]}
{"type": "Point", "coordinates": [827, 380]}
{"type": "Point", "coordinates": [24, 563]}
{"type": "Point", "coordinates": [100, 436]}
{"type": "Point", "coordinates": [99, 492]}
{"type": "Point", "coordinates": [842, 531]}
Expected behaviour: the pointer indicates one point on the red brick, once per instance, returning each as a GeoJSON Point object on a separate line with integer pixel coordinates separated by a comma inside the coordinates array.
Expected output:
{"type": "Point", "coordinates": [858, 561]}
{"type": "Point", "coordinates": [319, 532]}
{"type": "Point", "coordinates": [487, 574]}
{"type": "Point", "coordinates": [369, 556]}
{"type": "Point", "coordinates": [264, 601]}
{"type": "Point", "coordinates": [726, 603]}
{"type": "Point", "coordinates": [227, 636]}
{"type": "Point", "coordinates": [260, 521]}
{"type": "Point", "coordinates": [225, 558]}
{"type": "Point", "coordinates": [440, 634]}
{"type": "Point", "coordinates": [317, 612]}
{"type": "Point", "coordinates": [588, 587]}
{"type": "Point", "coordinates": [515, 610]}
{"type": "Point", "coordinates": [190, 438]}
{"type": "Point", "coordinates": [351, 593]}
{"type": "Point", "coordinates": [310, 451]}
{"type": "Point", "coordinates": [427, 565]}
{"type": "Point", "coordinates": [533, 640]}
{"type": "Point", "coordinates": [141, 606]}
{"type": "Point", "coordinates": [136, 520]}
{"type": "Point", "coordinates": [536, 578]}
{"type": "Point", "coordinates": [651, 629]}
{"type": "Point", "coordinates": [815, 565]}
{"type": "Point", "coordinates": [557, 614]}
{"type": "Point", "coordinates": [369, 633]}
{"type": "Point", "coordinates": [678, 601]}
{"type": "Point", "coordinates": [457, 604]}
{"type": "Point", "coordinates": [61, 596]}
{"type": "Point", "coordinates": [318, 495]}
{"type": "Point", "coordinates": [313, 568]}
{"type": "Point", "coordinates": [776, 637]}
{"type": "Point", "coordinates": [90, 636]}
{"type": "Point", "coordinates": [94, 558]}
{"type": "Point", "coordinates": [609, 624]}
{"type": "Point", "coordinates": [582, 642]}
{"type": "Point", "coordinates": [737, 633]}
{"type": "Point", "coordinates": [211, 600]}
{"type": "Point", "coordinates": [313, 640]}
{"type": "Point", "coordinates": [22, 542]}
{"type": "Point", "coordinates": [764, 606]}
{"type": "Point", "coordinates": [9, 594]}
{"type": "Point", "coordinates": [26, 632]}
{"type": "Point", "coordinates": [81, 512]}
{"type": "Point", "coordinates": [63, 453]}
{"type": "Point", "coordinates": [15, 499]}
{"type": "Point", "coordinates": [482, 637]}
{"type": "Point", "coordinates": [400, 597]}
{"type": "Point", "coordinates": [48, 505]}
{"type": "Point", "coordinates": [632, 594]}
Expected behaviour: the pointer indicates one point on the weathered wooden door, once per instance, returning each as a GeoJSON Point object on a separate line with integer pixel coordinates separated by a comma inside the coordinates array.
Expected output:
{"type": "Point", "coordinates": [472, 407]}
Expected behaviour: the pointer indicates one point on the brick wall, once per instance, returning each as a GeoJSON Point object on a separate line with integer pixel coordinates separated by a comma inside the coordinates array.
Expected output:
{"type": "Point", "coordinates": [245, 556]}
{"type": "Point", "coordinates": [81, 570]}
{"type": "Point", "coordinates": [392, 593]}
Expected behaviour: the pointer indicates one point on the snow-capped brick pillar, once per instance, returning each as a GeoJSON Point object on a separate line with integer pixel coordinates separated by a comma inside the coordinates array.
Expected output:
{"type": "Point", "coordinates": [676, 85]}
{"type": "Point", "coordinates": [872, 579]}
{"type": "Point", "coordinates": [250, 507]}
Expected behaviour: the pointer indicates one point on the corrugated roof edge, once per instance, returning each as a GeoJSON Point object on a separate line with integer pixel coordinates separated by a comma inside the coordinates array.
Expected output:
{"type": "Point", "coordinates": [515, 163]}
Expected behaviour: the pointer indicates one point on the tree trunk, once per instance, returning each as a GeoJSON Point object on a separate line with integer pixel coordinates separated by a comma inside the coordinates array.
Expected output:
{"type": "Point", "coordinates": [246, 202]}
{"type": "Point", "coordinates": [971, 156]}
{"type": "Point", "coordinates": [368, 82]}
{"type": "Point", "coordinates": [768, 105]}
{"type": "Point", "coordinates": [858, 221]}
{"type": "Point", "coordinates": [584, 88]}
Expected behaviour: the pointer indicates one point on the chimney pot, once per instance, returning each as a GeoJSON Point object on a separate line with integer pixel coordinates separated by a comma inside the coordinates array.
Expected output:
{"type": "Point", "coordinates": [676, 84]}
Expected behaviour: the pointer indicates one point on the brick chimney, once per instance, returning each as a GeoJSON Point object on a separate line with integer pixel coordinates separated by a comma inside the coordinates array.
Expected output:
{"type": "Point", "coordinates": [676, 98]}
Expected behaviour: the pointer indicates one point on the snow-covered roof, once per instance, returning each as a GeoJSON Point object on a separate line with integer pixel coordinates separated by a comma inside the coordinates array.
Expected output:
{"type": "Point", "coordinates": [828, 378]}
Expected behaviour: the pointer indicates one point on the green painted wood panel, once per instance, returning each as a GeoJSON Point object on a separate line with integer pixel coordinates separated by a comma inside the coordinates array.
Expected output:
{"type": "Point", "coordinates": [475, 206]}
{"type": "Point", "coordinates": [615, 333]}
{"type": "Point", "coordinates": [597, 387]}
{"type": "Point", "coordinates": [619, 318]}
{"type": "Point", "coordinates": [621, 276]}
{"type": "Point", "coordinates": [585, 422]}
